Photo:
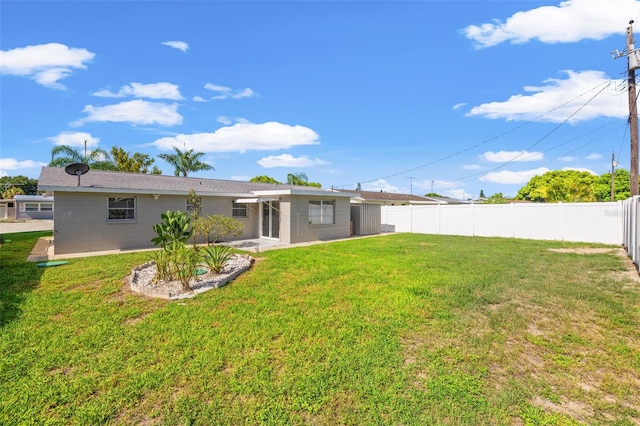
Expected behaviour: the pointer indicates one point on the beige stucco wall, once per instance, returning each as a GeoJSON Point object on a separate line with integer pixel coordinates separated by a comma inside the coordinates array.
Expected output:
{"type": "Point", "coordinates": [80, 220]}
{"type": "Point", "coordinates": [298, 217]}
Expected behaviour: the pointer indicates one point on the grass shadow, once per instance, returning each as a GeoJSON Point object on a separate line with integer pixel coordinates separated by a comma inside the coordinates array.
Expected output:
{"type": "Point", "coordinates": [17, 276]}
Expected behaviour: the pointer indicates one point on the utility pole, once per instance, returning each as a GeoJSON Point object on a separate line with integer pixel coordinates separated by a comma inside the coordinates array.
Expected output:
{"type": "Point", "coordinates": [411, 177]}
{"type": "Point", "coordinates": [633, 109]}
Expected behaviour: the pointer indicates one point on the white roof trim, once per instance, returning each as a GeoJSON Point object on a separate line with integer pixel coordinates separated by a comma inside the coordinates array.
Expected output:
{"type": "Point", "coordinates": [255, 200]}
{"type": "Point", "coordinates": [309, 192]}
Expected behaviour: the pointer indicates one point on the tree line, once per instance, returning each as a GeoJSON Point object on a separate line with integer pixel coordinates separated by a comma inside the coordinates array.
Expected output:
{"type": "Point", "coordinates": [569, 186]}
{"type": "Point", "coordinates": [184, 162]}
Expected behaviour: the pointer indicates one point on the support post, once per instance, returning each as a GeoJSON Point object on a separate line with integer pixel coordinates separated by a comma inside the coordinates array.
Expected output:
{"type": "Point", "coordinates": [633, 113]}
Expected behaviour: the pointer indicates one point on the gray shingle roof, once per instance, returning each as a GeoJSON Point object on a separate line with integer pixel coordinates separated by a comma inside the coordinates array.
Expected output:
{"type": "Point", "coordinates": [56, 179]}
{"type": "Point", "coordinates": [391, 197]}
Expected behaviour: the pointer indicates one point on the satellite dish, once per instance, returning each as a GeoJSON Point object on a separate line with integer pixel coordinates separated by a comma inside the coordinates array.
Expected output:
{"type": "Point", "coordinates": [77, 169]}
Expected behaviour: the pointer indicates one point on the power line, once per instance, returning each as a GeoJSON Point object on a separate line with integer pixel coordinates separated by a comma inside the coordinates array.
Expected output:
{"type": "Point", "coordinates": [565, 121]}
{"type": "Point", "coordinates": [602, 87]}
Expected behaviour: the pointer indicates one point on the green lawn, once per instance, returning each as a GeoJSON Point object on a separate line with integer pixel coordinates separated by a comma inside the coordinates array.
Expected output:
{"type": "Point", "coordinates": [401, 329]}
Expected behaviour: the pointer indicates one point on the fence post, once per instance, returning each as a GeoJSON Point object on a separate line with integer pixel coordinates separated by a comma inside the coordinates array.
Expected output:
{"type": "Point", "coordinates": [636, 227]}
{"type": "Point", "coordinates": [513, 219]}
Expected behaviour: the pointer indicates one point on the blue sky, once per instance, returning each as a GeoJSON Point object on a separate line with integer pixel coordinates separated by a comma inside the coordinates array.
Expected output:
{"type": "Point", "coordinates": [450, 96]}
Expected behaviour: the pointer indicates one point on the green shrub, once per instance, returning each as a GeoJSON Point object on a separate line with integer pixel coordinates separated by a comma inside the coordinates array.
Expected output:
{"type": "Point", "coordinates": [216, 257]}
{"type": "Point", "coordinates": [185, 262]}
{"type": "Point", "coordinates": [173, 228]}
{"type": "Point", "coordinates": [164, 265]}
{"type": "Point", "coordinates": [212, 228]}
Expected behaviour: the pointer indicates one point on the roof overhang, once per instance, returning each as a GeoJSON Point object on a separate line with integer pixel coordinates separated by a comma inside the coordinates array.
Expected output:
{"type": "Point", "coordinates": [256, 200]}
{"type": "Point", "coordinates": [308, 192]}
{"type": "Point", "coordinates": [107, 190]}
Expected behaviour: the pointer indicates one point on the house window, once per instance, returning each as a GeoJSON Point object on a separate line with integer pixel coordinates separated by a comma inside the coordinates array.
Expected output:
{"type": "Point", "coordinates": [121, 209]}
{"type": "Point", "coordinates": [239, 210]}
{"type": "Point", "coordinates": [321, 212]}
{"type": "Point", "coordinates": [35, 207]}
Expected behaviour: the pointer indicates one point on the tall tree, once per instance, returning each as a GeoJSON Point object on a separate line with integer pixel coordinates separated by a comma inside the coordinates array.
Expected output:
{"type": "Point", "coordinates": [621, 186]}
{"type": "Point", "coordinates": [63, 155]}
{"type": "Point", "coordinates": [560, 185]}
{"type": "Point", "coordinates": [136, 163]}
{"type": "Point", "coordinates": [185, 162]}
{"type": "Point", "coordinates": [263, 179]}
{"type": "Point", "coordinates": [11, 192]}
{"type": "Point", "coordinates": [496, 198]}
{"type": "Point", "coordinates": [27, 185]}
{"type": "Point", "coordinates": [301, 179]}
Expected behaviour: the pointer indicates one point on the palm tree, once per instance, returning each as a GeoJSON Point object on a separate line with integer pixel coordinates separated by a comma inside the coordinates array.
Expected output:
{"type": "Point", "coordinates": [298, 179]}
{"type": "Point", "coordinates": [63, 155]}
{"type": "Point", "coordinates": [185, 161]}
{"type": "Point", "coordinates": [301, 179]}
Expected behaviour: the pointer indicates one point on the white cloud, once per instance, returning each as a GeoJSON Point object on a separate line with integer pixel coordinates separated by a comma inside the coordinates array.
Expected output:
{"type": "Point", "coordinates": [438, 185]}
{"type": "Point", "coordinates": [74, 139]}
{"type": "Point", "coordinates": [224, 120]}
{"type": "Point", "coordinates": [224, 92]}
{"type": "Point", "coordinates": [380, 185]}
{"type": "Point", "coordinates": [287, 160]}
{"type": "Point", "coordinates": [458, 106]}
{"type": "Point", "coordinates": [512, 156]}
{"type": "Point", "coordinates": [180, 45]}
{"type": "Point", "coordinates": [13, 164]}
{"type": "Point", "coordinates": [569, 22]}
{"type": "Point", "coordinates": [199, 99]}
{"type": "Point", "coordinates": [508, 177]}
{"type": "Point", "coordinates": [240, 178]}
{"type": "Point", "coordinates": [459, 194]}
{"type": "Point", "coordinates": [594, 157]}
{"type": "Point", "coordinates": [135, 112]}
{"type": "Point", "coordinates": [162, 90]}
{"type": "Point", "coordinates": [471, 167]}
{"type": "Point", "coordinates": [44, 63]}
{"type": "Point", "coordinates": [244, 93]}
{"type": "Point", "coordinates": [242, 137]}
{"type": "Point", "coordinates": [571, 94]}
{"type": "Point", "coordinates": [566, 159]}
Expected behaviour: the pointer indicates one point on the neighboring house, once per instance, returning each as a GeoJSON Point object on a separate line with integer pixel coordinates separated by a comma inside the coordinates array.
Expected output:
{"type": "Point", "coordinates": [114, 211]}
{"type": "Point", "coordinates": [27, 207]}
{"type": "Point", "coordinates": [393, 199]}
{"type": "Point", "coordinates": [366, 211]}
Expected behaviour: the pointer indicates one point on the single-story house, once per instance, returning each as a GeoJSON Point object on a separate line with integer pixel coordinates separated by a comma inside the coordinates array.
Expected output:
{"type": "Point", "coordinates": [104, 210]}
{"type": "Point", "coordinates": [394, 199]}
{"type": "Point", "coordinates": [27, 207]}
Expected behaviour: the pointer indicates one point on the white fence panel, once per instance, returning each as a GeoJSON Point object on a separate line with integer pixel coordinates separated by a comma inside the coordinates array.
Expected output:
{"type": "Point", "coordinates": [456, 220]}
{"type": "Point", "coordinates": [494, 220]}
{"type": "Point", "coordinates": [631, 228]}
{"type": "Point", "coordinates": [601, 222]}
{"type": "Point", "coordinates": [396, 220]}
{"type": "Point", "coordinates": [579, 222]}
{"type": "Point", "coordinates": [427, 219]}
{"type": "Point", "coordinates": [537, 222]}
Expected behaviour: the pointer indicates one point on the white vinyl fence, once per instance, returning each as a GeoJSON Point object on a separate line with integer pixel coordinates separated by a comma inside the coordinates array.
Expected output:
{"type": "Point", "coordinates": [579, 222]}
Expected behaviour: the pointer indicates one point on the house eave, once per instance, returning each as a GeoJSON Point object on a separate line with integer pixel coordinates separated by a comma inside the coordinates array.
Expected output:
{"type": "Point", "coordinates": [312, 193]}
{"type": "Point", "coordinates": [105, 190]}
